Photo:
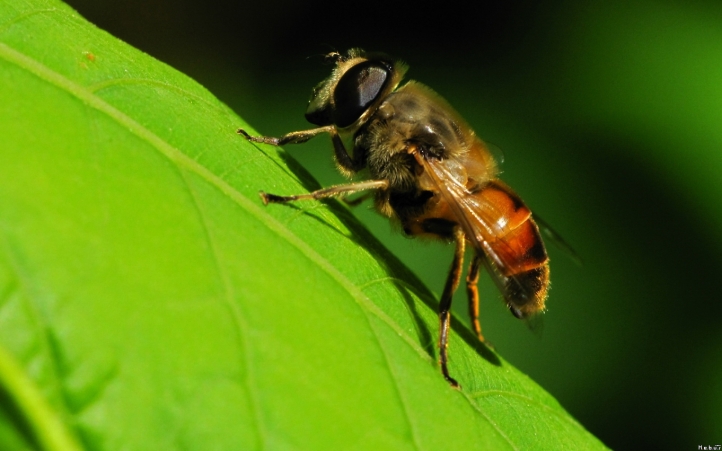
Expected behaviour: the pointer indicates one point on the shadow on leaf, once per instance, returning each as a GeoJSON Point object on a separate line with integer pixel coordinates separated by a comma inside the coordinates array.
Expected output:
{"type": "Point", "coordinates": [393, 266]}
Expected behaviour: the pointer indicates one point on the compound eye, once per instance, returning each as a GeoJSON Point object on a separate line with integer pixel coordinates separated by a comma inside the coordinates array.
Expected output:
{"type": "Point", "coordinates": [357, 89]}
{"type": "Point", "coordinates": [319, 110]}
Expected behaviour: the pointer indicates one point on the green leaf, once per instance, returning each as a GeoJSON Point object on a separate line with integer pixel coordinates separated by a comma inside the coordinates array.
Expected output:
{"type": "Point", "coordinates": [148, 300]}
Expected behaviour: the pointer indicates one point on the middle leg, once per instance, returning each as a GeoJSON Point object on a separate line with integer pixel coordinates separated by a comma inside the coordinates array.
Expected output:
{"type": "Point", "coordinates": [472, 292]}
{"type": "Point", "coordinates": [452, 283]}
{"type": "Point", "coordinates": [332, 191]}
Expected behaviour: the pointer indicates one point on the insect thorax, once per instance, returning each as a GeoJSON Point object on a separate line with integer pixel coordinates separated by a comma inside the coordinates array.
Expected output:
{"type": "Point", "coordinates": [408, 117]}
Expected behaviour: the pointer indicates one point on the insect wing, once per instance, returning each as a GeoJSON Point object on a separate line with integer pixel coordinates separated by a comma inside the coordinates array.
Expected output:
{"type": "Point", "coordinates": [480, 221]}
{"type": "Point", "coordinates": [551, 235]}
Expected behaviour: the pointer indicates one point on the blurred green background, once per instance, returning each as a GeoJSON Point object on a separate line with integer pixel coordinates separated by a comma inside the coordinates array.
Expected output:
{"type": "Point", "coordinates": [609, 114]}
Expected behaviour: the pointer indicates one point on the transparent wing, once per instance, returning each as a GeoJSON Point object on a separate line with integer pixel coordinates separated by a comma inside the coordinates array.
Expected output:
{"type": "Point", "coordinates": [557, 239]}
{"type": "Point", "coordinates": [484, 226]}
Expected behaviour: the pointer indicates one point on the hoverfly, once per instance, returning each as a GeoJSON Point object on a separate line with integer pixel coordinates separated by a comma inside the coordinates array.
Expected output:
{"type": "Point", "coordinates": [430, 173]}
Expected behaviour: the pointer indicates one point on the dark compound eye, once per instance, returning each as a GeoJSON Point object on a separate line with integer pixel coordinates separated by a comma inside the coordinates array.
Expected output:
{"type": "Point", "coordinates": [319, 110]}
{"type": "Point", "coordinates": [357, 90]}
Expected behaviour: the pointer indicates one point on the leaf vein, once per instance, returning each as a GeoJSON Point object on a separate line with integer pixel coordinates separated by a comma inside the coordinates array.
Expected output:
{"type": "Point", "coordinates": [394, 378]}
{"type": "Point", "coordinates": [238, 320]}
{"type": "Point", "coordinates": [6, 25]}
{"type": "Point", "coordinates": [536, 402]}
{"type": "Point", "coordinates": [95, 88]}
{"type": "Point", "coordinates": [476, 407]}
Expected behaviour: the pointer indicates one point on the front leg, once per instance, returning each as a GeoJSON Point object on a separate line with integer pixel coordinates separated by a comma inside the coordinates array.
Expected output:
{"type": "Point", "coordinates": [289, 138]}
{"type": "Point", "coordinates": [346, 163]}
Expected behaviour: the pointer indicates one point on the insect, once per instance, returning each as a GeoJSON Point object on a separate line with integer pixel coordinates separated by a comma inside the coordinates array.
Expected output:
{"type": "Point", "coordinates": [430, 173]}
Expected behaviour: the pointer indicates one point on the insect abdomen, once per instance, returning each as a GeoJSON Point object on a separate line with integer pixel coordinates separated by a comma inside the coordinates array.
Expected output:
{"type": "Point", "coordinates": [520, 248]}
{"type": "Point", "coordinates": [516, 241]}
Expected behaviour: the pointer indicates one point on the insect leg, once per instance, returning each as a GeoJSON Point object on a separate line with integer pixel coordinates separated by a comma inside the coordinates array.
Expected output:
{"type": "Point", "coordinates": [348, 165]}
{"type": "Point", "coordinates": [452, 282]}
{"type": "Point", "coordinates": [356, 202]}
{"type": "Point", "coordinates": [289, 138]}
{"type": "Point", "coordinates": [331, 191]}
{"type": "Point", "coordinates": [472, 292]}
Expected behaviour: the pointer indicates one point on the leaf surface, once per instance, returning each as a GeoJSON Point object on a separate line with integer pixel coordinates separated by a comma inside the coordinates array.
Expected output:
{"type": "Point", "coordinates": [151, 301]}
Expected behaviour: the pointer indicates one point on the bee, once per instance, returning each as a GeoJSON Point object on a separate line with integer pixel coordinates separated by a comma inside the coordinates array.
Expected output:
{"type": "Point", "coordinates": [430, 173]}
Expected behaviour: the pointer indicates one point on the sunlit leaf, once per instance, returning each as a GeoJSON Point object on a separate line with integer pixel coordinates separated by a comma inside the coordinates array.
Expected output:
{"type": "Point", "coordinates": [150, 301]}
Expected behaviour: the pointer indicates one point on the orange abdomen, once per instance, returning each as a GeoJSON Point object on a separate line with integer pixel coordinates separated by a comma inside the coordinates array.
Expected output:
{"type": "Point", "coordinates": [517, 242]}
{"type": "Point", "coordinates": [520, 248]}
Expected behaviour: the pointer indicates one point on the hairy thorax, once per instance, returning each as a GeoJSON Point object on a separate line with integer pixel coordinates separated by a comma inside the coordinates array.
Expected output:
{"type": "Point", "coordinates": [414, 117]}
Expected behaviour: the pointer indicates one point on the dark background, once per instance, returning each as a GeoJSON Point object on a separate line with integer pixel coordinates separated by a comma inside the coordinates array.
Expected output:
{"type": "Point", "coordinates": [609, 115]}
